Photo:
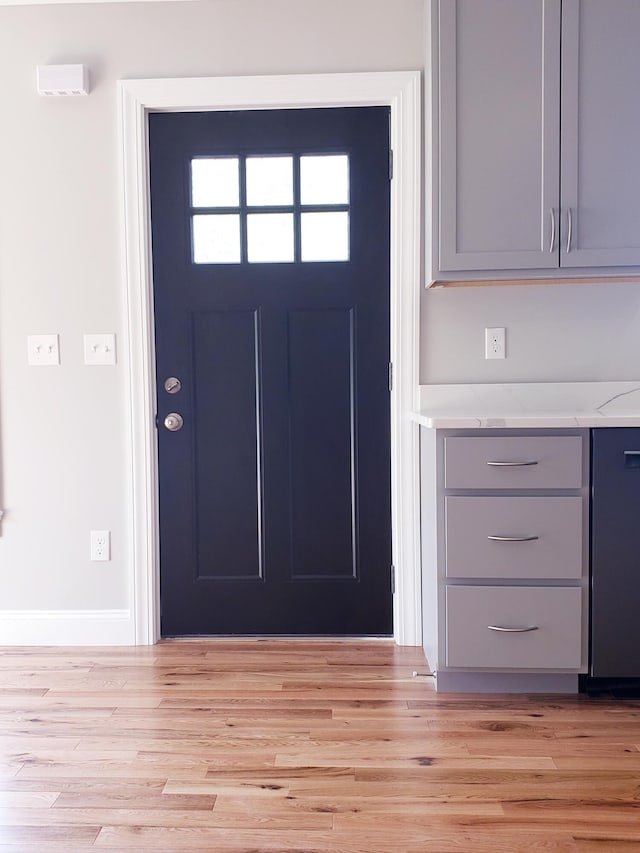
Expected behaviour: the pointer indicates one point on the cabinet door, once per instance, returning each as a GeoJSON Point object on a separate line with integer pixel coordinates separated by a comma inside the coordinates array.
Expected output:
{"type": "Point", "coordinates": [499, 113]}
{"type": "Point", "coordinates": [600, 132]}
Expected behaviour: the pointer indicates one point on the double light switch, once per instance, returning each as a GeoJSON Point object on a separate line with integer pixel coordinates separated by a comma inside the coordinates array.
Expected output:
{"type": "Point", "coordinates": [99, 349]}
{"type": "Point", "coordinates": [45, 349]}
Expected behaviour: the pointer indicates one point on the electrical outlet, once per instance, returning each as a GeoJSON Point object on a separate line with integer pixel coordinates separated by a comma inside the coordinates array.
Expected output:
{"type": "Point", "coordinates": [495, 343]}
{"type": "Point", "coordinates": [100, 545]}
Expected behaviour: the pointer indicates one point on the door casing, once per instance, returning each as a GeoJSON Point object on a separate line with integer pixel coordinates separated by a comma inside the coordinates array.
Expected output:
{"type": "Point", "coordinates": [401, 92]}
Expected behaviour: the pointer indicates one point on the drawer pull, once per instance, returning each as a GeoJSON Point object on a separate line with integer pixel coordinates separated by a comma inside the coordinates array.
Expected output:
{"type": "Point", "coordinates": [513, 464]}
{"type": "Point", "coordinates": [506, 630]}
{"type": "Point", "coordinates": [512, 538]}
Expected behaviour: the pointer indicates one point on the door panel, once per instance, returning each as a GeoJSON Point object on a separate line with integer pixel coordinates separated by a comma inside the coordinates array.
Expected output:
{"type": "Point", "coordinates": [275, 495]}
{"type": "Point", "coordinates": [600, 129]}
{"type": "Point", "coordinates": [499, 116]}
{"type": "Point", "coordinates": [227, 489]}
{"type": "Point", "coordinates": [322, 443]}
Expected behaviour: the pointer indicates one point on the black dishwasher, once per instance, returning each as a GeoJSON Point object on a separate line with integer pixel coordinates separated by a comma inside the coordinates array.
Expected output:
{"type": "Point", "coordinates": [615, 554]}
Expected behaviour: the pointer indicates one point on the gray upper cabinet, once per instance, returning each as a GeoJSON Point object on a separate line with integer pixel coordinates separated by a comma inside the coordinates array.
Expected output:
{"type": "Point", "coordinates": [538, 163]}
{"type": "Point", "coordinates": [600, 178]}
{"type": "Point", "coordinates": [499, 67]}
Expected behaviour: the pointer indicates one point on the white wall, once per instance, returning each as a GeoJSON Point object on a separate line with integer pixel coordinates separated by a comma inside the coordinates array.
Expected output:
{"type": "Point", "coordinates": [555, 333]}
{"type": "Point", "coordinates": [63, 429]}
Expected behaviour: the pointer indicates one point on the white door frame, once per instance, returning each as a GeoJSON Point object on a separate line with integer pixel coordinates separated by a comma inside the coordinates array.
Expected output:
{"type": "Point", "coordinates": [399, 90]}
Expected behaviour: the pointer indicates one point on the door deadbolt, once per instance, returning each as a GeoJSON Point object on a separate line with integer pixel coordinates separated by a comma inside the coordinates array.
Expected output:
{"type": "Point", "coordinates": [174, 422]}
{"type": "Point", "coordinates": [172, 385]}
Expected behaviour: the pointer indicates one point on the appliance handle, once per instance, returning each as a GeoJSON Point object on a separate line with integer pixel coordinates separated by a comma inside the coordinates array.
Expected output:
{"type": "Point", "coordinates": [631, 459]}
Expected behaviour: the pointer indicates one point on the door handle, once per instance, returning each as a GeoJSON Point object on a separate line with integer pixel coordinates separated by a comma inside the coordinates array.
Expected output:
{"type": "Point", "coordinates": [174, 422]}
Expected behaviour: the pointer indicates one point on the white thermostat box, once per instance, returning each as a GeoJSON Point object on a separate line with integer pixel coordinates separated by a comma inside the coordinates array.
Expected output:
{"type": "Point", "coordinates": [63, 79]}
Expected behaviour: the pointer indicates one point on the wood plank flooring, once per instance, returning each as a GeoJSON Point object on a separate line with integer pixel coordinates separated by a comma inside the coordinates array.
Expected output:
{"type": "Point", "coordinates": [301, 747]}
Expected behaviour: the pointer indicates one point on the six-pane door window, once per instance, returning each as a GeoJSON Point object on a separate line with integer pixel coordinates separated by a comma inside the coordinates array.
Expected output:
{"type": "Point", "coordinates": [270, 209]}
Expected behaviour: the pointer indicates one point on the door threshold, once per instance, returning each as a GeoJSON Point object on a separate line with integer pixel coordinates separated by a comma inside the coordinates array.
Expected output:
{"type": "Point", "coordinates": [261, 638]}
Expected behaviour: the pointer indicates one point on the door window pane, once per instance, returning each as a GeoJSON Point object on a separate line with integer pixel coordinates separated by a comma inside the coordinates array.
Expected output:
{"type": "Point", "coordinates": [325, 236]}
{"type": "Point", "coordinates": [269, 180]}
{"type": "Point", "coordinates": [216, 238]}
{"type": "Point", "coordinates": [270, 237]}
{"type": "Point", "coordinates": [324, 179]}
{"type": "Point", "coordinates": [215, 182]}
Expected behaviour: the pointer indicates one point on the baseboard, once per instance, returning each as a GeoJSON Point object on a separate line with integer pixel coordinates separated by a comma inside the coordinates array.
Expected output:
{"type": "Point", "coordinates": [509, 682]}
{"type": "Point", "coordinates": [66, 628]}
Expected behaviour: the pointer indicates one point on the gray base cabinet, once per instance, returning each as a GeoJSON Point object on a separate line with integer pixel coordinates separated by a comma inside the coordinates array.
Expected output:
{"type": "Point", "coordinates": [537, 133]}
{"type": "Point", "coordinates": [505, 519]}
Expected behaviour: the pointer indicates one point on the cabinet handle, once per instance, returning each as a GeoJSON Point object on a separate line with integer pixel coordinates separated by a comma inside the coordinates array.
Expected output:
{"type": "Point", "coordinates": [569, 229]}
{"type": "Point", "coordinates": [512, 538]}
{"type": "Point", "coordinates": [553, 230]}
{"type": "Point", "coordinates": [631, 452]}
{"type": "Point", "coordinates": [513, 464]}
{"type": "Point", "coordinates": [506, 630]}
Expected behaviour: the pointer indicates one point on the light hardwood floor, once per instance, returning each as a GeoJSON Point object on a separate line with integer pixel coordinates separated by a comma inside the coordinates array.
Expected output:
{"type": "Point", "coordinates": [305, 746]}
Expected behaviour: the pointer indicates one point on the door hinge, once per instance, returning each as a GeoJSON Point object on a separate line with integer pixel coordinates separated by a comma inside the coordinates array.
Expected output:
{"type": "Point", "coordinates": [390, 376]}
{"type": "Point", "coordinates": [393, 579]}
{"type": "Point", "coordinates": [390, 164]}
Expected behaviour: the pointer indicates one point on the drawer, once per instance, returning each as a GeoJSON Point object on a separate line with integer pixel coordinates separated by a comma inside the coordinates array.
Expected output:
{"type": "Point", "coordinates": [513, 462]}
{"type": "Point", "coordinates": [555, 613]}
{"type": "Point", "coordinates": [493, 537]}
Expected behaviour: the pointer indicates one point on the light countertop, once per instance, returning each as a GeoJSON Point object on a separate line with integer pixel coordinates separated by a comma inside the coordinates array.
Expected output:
{"type": "Point", "coordinates": [530, 405]}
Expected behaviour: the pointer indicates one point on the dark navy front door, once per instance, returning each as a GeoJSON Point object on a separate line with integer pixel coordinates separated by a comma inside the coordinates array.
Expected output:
{"type": "Point", "coordinates": [271, 288]}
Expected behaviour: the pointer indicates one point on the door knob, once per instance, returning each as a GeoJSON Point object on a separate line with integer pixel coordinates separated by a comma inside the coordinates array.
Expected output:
{"type": "Point", "coordinates": [174, 422]}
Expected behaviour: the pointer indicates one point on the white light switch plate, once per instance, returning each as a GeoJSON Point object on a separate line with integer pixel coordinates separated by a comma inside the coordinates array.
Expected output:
{"type": "Point", "coordinates": [99, 349]}
{"type": "Point", "coordinates": [43, 350]}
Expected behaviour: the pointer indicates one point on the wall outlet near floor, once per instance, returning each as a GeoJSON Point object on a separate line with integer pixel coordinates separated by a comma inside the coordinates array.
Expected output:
{"type": "Point", "coordinates": [100, 545]}
{"type": "Point", "coordinates": [495, 343]}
